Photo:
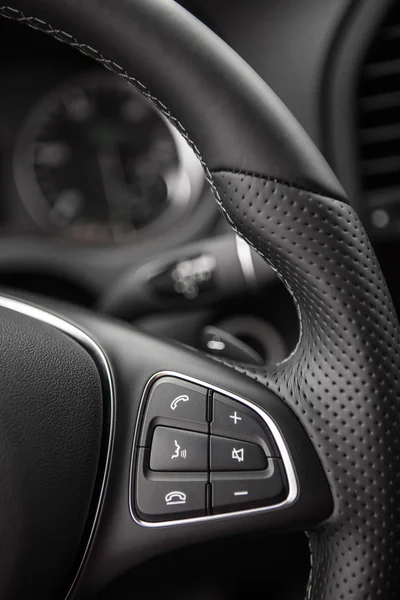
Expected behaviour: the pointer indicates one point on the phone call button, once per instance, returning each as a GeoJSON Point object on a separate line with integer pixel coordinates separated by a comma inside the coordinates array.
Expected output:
{"type": "Point", "coordinates": [179, 402]}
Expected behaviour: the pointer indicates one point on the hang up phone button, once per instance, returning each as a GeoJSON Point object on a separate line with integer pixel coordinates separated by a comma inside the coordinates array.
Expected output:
{"type": "Point", "coordinates": [168, 496]}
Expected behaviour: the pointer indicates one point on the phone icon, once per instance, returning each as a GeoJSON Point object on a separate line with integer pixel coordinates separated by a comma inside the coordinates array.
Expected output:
{"type": "Point", "coordinates": [175, 402]}
{"type": "Point", "coordinates": [175, 498]}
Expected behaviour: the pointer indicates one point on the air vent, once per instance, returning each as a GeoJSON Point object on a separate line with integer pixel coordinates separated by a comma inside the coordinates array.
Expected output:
{"type": "Point", "coordinates": [379, 126]}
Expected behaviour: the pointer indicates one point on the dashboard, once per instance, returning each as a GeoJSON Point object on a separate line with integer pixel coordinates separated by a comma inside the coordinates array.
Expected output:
{"type": "Point", "coordinates": [95, 182]}
{"type": "Point", "coordinates": [93, 177]}
{"type": "Point", "coordinates": [95, 163]}
{"type": "Point", "coordinates": [87, 157]}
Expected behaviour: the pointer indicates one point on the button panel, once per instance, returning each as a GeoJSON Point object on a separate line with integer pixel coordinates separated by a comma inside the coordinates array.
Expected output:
{"type": "Point", "coordinates": [200, 453]}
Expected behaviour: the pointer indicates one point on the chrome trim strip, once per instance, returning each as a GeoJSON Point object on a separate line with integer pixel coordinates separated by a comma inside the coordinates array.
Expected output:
{"type": "Point", "coordinates": [103, 365]}
{"type": "Point", "coordinates": [246, 262]}
{"type": "Point", "coordinates": [273, 428]}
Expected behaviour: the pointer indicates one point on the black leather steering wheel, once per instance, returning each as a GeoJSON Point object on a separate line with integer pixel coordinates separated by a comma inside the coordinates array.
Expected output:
{"type": "Point", "coordinates": [65, 452]}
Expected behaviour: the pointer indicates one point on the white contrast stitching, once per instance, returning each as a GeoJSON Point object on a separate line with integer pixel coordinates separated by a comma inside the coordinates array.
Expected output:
{"type": "Point", "coordinates": [66, 38]}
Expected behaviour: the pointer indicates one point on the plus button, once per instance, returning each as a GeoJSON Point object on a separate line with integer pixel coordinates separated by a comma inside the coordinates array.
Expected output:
{"type": "Point", "coordinates": [235, 418]}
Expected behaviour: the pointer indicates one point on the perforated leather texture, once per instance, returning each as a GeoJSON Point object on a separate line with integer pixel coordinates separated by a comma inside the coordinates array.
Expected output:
{"type": "Point", "coordinates": [342, 381]}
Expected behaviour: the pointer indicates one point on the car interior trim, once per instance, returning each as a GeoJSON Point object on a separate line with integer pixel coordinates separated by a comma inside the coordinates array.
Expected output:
{"type": "Point", "coordinates": [102, 363]}
{"type": "Point", "coordinates": [348, 54]}
{"type": "Point", "coordinates": [246, 261]}
{"type": "Point", "coordinates": [293, 486]}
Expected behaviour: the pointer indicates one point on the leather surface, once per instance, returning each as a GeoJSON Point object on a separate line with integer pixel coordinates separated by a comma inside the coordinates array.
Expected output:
{"type": "Point", "coordinates": [342, 381]}
{"type": "Point", "coordinates": [236, 121]}
{"type": "Point", "coordinates": [50, 434]}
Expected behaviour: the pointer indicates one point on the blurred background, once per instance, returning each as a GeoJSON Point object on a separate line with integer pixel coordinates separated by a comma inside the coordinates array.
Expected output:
{"type": "Point", "coordinates": [103, 204]}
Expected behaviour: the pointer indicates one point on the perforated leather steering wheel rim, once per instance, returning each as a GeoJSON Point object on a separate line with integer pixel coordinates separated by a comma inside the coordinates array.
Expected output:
{"type": "Point", "coordinates": [278, 193]}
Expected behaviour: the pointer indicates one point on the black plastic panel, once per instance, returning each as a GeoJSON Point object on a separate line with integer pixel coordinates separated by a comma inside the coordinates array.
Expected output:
{"type": "Point", "coordinates": [167, 472]}
{"type": "Point", "coordinates": [121, 541]}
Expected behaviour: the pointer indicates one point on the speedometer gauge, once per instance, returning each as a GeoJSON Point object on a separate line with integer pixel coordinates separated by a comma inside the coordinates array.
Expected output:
{"type": "Point", "coordinates": [95, 162]}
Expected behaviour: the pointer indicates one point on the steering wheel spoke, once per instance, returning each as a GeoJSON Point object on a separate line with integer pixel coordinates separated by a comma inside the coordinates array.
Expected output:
{"type": "Point", "coordinates": [329, 449]}
{"type": "Point", "coordinates": [200, 451]}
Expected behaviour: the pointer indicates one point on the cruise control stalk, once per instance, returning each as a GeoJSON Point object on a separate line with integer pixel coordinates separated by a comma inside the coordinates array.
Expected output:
{"type": "Point", "coordinates": [199, 274]}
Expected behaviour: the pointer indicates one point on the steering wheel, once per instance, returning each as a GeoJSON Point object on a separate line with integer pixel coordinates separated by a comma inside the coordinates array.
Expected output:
{"type": "Point", "coordinates": [94, 413]}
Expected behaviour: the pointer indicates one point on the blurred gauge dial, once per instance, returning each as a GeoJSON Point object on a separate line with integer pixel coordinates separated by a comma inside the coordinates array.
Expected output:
{"type": "Point", "coordinates": [95, 162]}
